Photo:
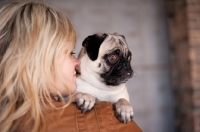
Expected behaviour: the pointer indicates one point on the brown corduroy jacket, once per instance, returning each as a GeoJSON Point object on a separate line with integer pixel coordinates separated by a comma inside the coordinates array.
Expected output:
{"type": "Point", "coordinates": [100, 119]}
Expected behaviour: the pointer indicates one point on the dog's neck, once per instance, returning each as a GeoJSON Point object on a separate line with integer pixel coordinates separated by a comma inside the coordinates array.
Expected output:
{"type": "Point", "coordinates": [92, 80]}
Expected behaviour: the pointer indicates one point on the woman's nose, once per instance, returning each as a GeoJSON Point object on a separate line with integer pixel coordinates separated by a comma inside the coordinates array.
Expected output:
{"type": "Point", "coordinates": [77, 62]}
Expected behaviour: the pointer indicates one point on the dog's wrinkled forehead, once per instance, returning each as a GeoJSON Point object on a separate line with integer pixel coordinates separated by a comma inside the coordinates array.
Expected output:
{"type": "Point", "coordinates": [115, 41]}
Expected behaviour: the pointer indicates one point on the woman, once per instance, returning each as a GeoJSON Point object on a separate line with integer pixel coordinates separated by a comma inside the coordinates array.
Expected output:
{"type": "Point", "coordinates": [37, 61]}
{"type": "Point", "coordinates": [37, 65]}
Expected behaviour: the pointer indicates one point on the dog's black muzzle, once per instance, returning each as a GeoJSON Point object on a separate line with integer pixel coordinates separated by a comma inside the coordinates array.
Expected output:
{"type": "Point", "coordinates": [119, 73]}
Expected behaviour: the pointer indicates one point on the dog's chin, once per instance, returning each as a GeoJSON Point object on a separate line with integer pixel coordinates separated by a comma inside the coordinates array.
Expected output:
{"type": "Point", "coordinates": [117, 75]}
{"type": "Point", "coordinates": [115, 80]}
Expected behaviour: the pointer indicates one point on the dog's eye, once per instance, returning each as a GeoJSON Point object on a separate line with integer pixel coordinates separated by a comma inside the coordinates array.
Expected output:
{"type": "Point", "coordinates": [113, 58]}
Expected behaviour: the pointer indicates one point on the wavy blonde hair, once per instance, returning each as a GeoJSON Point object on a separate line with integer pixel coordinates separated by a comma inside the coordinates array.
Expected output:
{"type": "Point", "coordinates": [33, 37]}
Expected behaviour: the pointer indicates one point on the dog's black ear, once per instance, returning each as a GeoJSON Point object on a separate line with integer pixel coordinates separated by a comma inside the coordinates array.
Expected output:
{"type": "Point", "coordinates": [92, 44]}
{"type": "Point", "coordinates": [119, 35]}
{"type": "Point", "coordinates": [123, 36]}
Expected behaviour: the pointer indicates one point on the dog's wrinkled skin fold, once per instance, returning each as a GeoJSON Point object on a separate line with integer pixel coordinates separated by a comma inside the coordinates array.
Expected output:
{"type": "Point", "coordinates": [105, 67]}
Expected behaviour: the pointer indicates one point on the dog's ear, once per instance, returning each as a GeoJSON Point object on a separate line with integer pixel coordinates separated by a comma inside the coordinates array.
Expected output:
{"type": "Point", "coordinates": [92, 44]}
{"type": "Point", "coordinates": [119, 35]}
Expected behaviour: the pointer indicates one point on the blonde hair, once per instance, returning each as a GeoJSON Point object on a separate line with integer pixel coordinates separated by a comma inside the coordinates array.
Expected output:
{"type": "Point", "coordinates": [33, 37]}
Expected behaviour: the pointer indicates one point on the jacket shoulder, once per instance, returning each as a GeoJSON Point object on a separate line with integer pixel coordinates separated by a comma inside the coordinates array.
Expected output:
{"type": "Point", "coordinates": [100, 118]}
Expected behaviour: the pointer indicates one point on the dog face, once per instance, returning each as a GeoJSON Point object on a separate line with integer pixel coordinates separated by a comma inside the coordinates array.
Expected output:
{"type": "Point", "coordinates": [108, 57]}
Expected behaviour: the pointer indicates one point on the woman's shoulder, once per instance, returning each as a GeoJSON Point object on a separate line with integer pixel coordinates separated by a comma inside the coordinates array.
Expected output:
{"type": "Point", "coordinates": [100, 118]}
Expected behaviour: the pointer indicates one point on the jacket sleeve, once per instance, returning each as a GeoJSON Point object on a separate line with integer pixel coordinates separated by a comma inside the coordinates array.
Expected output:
{"type": "Point", "coordinates": [100, 119]}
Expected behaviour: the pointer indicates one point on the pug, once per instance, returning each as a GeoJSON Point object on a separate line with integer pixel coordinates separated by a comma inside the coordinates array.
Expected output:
{"type": "Point", "coordinates": [103, 72]}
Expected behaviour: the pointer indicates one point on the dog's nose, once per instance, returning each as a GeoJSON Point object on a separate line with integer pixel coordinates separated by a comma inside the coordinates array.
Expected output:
{"type": "Point", "coordinates": [130, 72]}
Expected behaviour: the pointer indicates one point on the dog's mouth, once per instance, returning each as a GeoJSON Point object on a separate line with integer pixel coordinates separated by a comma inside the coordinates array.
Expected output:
{"type": "Point", "coordinates": [117, 76]}
{"type": "Point", "coordinates": [118, 81]}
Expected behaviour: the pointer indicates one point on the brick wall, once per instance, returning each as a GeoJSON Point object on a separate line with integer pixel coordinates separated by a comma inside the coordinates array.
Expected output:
{"type": "Point", "coordinates": [193, 13]}
{"type": "Point", "coordinates": [184, 25]}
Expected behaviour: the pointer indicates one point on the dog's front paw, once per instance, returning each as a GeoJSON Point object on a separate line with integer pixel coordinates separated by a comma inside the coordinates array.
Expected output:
{"type": "Point", "coordinates": [124, 110]}
{"type": "Point", "coordinates": [84, 101]}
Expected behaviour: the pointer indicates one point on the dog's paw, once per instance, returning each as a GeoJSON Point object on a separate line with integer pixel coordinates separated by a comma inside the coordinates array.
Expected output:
{"type": "Point", "coordinates": [84, 101]}
{"type": "Point", "coordinates": [124, 111]}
